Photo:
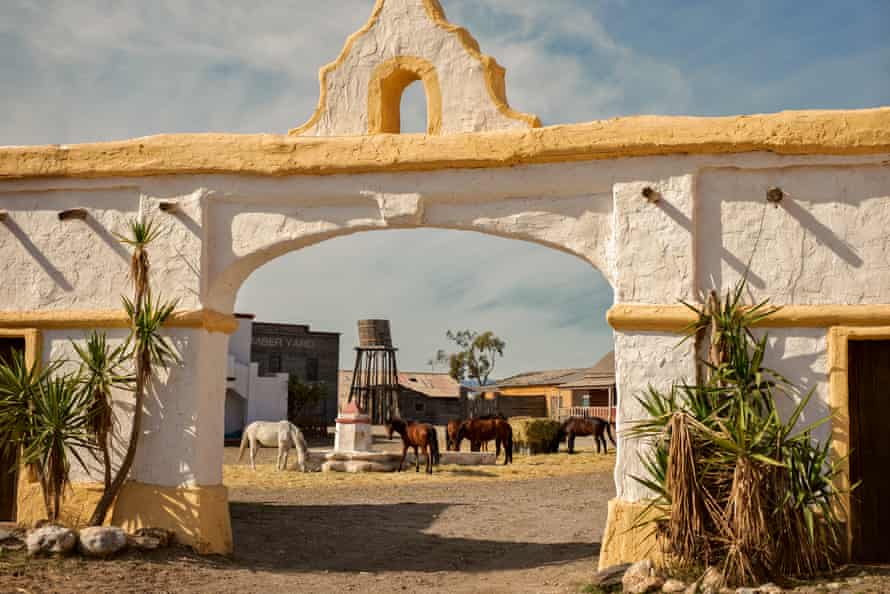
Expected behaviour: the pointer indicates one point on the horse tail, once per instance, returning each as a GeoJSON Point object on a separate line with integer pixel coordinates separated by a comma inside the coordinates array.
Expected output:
{"type": "Point", "coordinates": [508, 448]}
{"type": "Point", "coordinates": [434, 445]}
{"type": "Point", "coordinates": [609, 433]}
{"type": "Point", "coordinates": [243, 444]}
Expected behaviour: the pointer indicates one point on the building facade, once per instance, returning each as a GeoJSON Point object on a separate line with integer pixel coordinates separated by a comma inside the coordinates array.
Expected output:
{"type": "Point", "coordinates": [263, 357]}
{"type": "Point", "coordinates": [312, 357]}
{"type": "Point", "coordinates": [665, 207]}
{"type": "Point", "coordinates": [423, 397]}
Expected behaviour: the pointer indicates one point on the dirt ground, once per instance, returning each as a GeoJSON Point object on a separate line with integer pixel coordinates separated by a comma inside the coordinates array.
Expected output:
{"type": "Point", "coordinates": [532, 527]}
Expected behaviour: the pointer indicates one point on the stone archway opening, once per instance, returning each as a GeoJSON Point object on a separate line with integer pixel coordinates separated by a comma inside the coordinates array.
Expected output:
{"type": "Point", "coordinates": [518, 288]}
{"type": "Point", "coordinates": [386, 90]}
{"type": "Point", "coordinates": [413, 112]}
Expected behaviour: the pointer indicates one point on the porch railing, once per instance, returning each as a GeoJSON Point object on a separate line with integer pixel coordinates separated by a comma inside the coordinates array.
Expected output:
{"type": "Point", "coordinates": [603, 412]}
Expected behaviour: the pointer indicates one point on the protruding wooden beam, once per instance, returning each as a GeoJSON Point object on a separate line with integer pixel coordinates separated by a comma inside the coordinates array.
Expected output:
{"type": "Point", "coordinates": [73, 213]}
{"type": "Point", "coordinates": [2, 215]}
{"type": "Point", "coordinates": [169, 206]}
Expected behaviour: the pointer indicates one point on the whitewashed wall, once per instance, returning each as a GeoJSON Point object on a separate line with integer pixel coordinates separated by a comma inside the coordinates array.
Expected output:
{"type": "Point", "coordinates": [827, 243]}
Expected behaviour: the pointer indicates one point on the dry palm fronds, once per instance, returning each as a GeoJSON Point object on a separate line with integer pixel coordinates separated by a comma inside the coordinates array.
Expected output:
{"type": "Point", "coordinates": [686, 525]}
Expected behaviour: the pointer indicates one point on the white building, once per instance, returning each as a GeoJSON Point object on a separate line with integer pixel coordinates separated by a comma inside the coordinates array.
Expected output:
{"type": "Point", "coordinates": [249, 396]}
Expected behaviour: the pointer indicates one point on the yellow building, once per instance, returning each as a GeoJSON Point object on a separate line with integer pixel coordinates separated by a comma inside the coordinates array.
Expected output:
{"type": "Point", "coordinates": [559, 393]}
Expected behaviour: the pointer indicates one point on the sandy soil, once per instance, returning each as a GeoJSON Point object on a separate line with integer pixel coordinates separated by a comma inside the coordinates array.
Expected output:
{"type": "Point", "coordinates": [532, 527]}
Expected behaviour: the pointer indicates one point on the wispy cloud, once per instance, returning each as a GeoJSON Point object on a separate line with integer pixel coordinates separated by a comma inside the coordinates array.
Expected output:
{"type": "Point", "coordinates": [97, 70]}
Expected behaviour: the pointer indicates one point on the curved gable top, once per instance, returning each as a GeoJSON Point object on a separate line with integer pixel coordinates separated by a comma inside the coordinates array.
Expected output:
{"type": "Point", "coordinates": [469, 94]}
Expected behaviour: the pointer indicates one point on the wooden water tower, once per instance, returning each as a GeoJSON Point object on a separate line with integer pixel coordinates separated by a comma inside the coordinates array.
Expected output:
{"type": "Point", "coordinates": [375, 379]}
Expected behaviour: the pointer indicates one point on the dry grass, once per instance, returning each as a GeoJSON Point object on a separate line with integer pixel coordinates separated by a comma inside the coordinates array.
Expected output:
{"type": "Point", "coordinates": [523, 468]}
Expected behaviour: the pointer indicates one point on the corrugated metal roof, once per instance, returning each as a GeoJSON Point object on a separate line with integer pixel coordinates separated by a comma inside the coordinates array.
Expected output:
{"type": "Point", "coordinates": [601, 374]}
{"type": "Point", "coordinates": [549, 377]}
{"type": "Point", "coordinates": [434, 385]}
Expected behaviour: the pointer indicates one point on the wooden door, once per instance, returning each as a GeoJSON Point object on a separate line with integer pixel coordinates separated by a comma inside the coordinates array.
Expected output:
{"type": "Point", "coordinates": [869, 386]}
{"type": "Point", "coordinates": [9, 459]}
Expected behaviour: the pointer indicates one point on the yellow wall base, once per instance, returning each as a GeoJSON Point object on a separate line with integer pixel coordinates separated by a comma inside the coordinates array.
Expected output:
{"type": "Point", "coordinates": [198, 515]}
{"type": "Point", "coordinates": [623, 540]}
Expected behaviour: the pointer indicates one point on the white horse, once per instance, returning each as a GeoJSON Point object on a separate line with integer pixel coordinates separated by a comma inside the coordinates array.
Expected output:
{"type": "Point", "coordinates": [268, 434]}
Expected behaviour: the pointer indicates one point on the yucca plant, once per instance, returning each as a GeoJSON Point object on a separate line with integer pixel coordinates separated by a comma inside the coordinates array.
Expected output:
{"type": "Point", "coordinates": [102, 369]}
{"type": "Point", "coordinates": [148, 348]}
{"type": "Point", "coordinates": [740, 485]}
{"type": "Point", "coordinates": [59, 427]}
{"type": "Point", "coordinates": [19, 384]}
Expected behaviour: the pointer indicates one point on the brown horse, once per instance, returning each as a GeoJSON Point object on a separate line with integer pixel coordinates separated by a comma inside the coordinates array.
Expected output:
{"type": "Point", "coordinates": [451, 435]}
{"type": "Point", "coordinates": [451, 443]}
{"type": "Point", "coordinates": [416, 435]}
{"type": "Point", "coordinates": [579, 426]}
{"type": "Point", "coordinates": [484, 430]}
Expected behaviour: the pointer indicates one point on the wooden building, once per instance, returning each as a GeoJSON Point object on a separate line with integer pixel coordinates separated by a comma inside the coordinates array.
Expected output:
{"type": "Point", "coordinates": [558, 393]}
{"type": "Point", "coordinates": [424, 397]}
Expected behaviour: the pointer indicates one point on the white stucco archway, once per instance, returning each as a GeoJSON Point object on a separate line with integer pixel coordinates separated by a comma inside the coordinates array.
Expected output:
{"type": "Point", "coordinates": [233, 202]}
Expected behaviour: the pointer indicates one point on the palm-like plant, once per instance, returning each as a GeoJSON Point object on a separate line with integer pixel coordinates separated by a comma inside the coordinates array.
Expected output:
{"type": "Point", "coordinates": [101, 371]}
{"type": "Point", "coordinates": [60, 426]}
{"type": "Point", "coordinates": [19, 384]}
{"type": "Point", "coordinates": [148, 348]}
{"type": "Point", "coordinates": [727, 469]}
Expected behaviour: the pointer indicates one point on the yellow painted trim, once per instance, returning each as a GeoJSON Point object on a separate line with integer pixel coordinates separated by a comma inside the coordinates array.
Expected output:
{"type": "Point", "coordinates": [674, 318]}
{"type": "Point", "coordinates": [624, 539]}
{"type": "Point", "coordinates": [839, 402]}
{"type": "Point", "coordinates": [385, 89]}
{"type": "Point", "coordinates": [210, 320]}
{"type": "Point", "coordinates": [494, 73]}
{"type": "Point", "coordinates": [859, 132]}
{"type": "Point", "coordinates": [33, 341]}
{"type": "Point", "coordinates": [199, 516]}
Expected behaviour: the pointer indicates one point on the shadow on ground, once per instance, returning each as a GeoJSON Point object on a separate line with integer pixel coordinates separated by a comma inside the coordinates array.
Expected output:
{"type": "Point", "coordinates": [392, 537]}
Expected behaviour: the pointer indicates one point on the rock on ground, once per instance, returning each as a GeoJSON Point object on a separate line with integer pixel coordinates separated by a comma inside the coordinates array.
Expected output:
{"type": "Point", "coordinates": [102, 541]}
{"type": "Point", "coordinates": [50, 539]}
{"type": "Point", "coordinates": [162, 535]}
{"type": "Point", "coordinates": [673, 586]}
{"type": "Point", "coordinates": [641, 578]}
{"type": "Point", "coordinates": [712, 580]}
{"type": "Point", "coordinates": [610, 576]}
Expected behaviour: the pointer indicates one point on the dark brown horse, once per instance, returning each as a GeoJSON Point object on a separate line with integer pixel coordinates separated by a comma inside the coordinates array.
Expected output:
{"type": "Point", "coordinates": [484, 430]}
{"type": "Point", "coordinates": [451, 435]}
{"type": "Point", "coordinates": [451, 443]}
{"type": "Point", "coordinates": [417, 436]}
{"type": "Point", "coordinates": [579, 426]}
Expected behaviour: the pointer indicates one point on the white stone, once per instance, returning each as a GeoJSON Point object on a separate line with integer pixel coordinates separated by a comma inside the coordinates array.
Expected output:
{"type": "Point", "coordinates": [102, 541]}
{"type": "Point", "coordinates": [353, 433]}
{"type": "Point", "coordinates": [50, 539]}
{"type": "Point", "coordinates": [712, 580]}
{"type": "Point", "coordinates": [641, 577]}
{"type": "Point", "coordinates": [673, 586]}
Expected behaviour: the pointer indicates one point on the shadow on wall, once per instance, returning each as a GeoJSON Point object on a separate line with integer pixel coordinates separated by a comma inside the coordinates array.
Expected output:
{"type": "Point", "coordinates": [376, 538]}
{"type": "Point", "coordinates": [54, 273]}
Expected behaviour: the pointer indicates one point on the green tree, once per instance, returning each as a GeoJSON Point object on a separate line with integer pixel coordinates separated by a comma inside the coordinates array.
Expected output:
{"type": "Point", "coordinates": [477, 355]}
{"type": "Point", "coordinates": [301, 396]}
{"type": "Point", "coordinates": [440, 358]}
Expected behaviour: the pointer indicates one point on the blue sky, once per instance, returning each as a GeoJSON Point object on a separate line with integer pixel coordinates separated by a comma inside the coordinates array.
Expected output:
{"type": "Point", "coordinates": [85, 71]}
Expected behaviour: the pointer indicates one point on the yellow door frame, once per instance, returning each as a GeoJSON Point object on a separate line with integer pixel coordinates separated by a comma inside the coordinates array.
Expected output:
{"type": "Point", "coordinates": [839, 338]}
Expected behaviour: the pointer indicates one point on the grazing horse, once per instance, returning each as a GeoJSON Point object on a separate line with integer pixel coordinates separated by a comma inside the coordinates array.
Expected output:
{"type": "Point", "coordinates": [485, 429]}
{"type": "Point", "coordinates": [451, 435]}
{"type": "Point", "coordinates": [416, 435]}
{"type": "Point", "coordinates": [575, 426]}
{"type": "Point", "coordinates": [268, 434]}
